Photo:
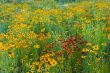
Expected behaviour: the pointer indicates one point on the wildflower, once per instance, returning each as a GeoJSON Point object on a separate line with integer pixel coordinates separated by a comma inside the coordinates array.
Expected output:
{"type": "Point", "coordinates": [20, 17]}
{"type": "Point", "coordinates": [103, 18]}
{"type": "Point", "coordinates": [39, 70]}
{"type": "Point", "coordinates": [48, 35]}
{"type": "Point", "coordinates": [48, 66]}
{"type": "Point", "coordinates": [97, 59]}
{"type": "Point", "coordinates": [83, 57]}
{"type": "Point", "coordinates": [11, 45]}
{"type": "Point", "coordinates": [41, 36]}
{"type": "Point", "coordinates": [45, 56]}
{"type": "Point", "coordinates": [98, 19]}
{"type": "Point", "coordinates": [21, 35]}
{"type": "Point", "coordinates": [87, 21]}
{"type": "Point", "coordinates": [23, 25]}
{"type": "Point", "coordinates": [109, 36]}
{"type": "Point", "coordinates": [104, 44]}
{"type": "Point", "coordinates": [37, 46]}
{"type": "Point", "coordinates": [70, 40]}
{"type": "Point", "coordinates": [3, 48]}
{"type": "Point", "coordinates": [53, 62]}
{"type": "Point", "coordinates": [92, 51]}
{"type": "Point", "coordinates": [11, 54]}
{"type": "Point", "coordinates": [36, 63]}
{"type": "Point", "coordinates": [107, 28]}
{"type": "Point", "coordinates": [85, 50]}
{"type": "Point", "coordinates": [96, 47]}
{"type": "Point", "coordinates": [30, 42]}
{"type": "Point", "coordinates": [32, 67]}
{"type": "Point", "coordinates": [42, 30]}
{"type": "Point", "coordinates": [2, 36]}
{"type": "Point", "coordinates": [1, 44]}
{"type": "Point", "coordinates": [51, 45]}
{"type": "Point", "coordinates": [11, 68]}
{"type": "Point", "coordinates": [89, 44]}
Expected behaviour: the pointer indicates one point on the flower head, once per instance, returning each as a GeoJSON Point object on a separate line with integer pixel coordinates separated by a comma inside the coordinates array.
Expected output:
{"type": "Point", "coordinates": [85, 50]}
{"type": "Point", "coordinates": [11, 54]}
{"type": "Point", "coordinates": [36, 46]}
{"type": "Point", "coordinates": [95, 48]}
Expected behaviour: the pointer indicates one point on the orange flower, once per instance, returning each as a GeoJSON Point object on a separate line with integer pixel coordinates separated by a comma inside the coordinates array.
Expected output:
{"type": "Point", "coordinates": [107, 28]}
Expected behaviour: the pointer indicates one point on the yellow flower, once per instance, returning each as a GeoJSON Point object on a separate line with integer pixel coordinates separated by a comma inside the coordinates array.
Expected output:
{"type": "Point", "coordinates": [11, 54]}
{"type": "Point", "coordinates": [1, 44]}
{"type": "Point", "coordinates": [107, 28]}
{"type": "Point", "coordinates": [94, 52]}
{"type": "Point", "coordinates": [3, 48]}
{"type": "Point", "coordinates": [98, 19]}
{"type": "Point", "coordinates": [21, 35]}
{"type": "Point", "coordinates": [104, 44]}
{"type": "Point", "coordinates": [89, 44]}
{"type": "Point", "coordinates": [97, 59]}
{"type": "Point", "coordinates": [48, 35]}
{"type": "Point", "coordinates": [83, 57]}
{"type": "Point", "coordinates": [53, 62]}
{"type": "Point", "coordinates": [41, 36]}
{"type": "Point", "coordinates": [85, 50]}
{"type": "Point", "coordinates": [48, 66]}
{"type": "Point", "coordinates": [36, 46]}
{"type": "Point", "coordinates": [39, 70]}
{"type": "Point", "coordinates": [109, 36]}
{"type": "Point", "coordinates": [32, 67]}
{"type": "Point", "coordinates": [11, 45]}
{"type": "Point", "coordinates": [2, 36]}
{"type": "Point", "coordinates": [87, 21]}
{"type": "Point", "coordinates": [42, 30]}
{"type": "Point", "coordinates": [96, 47]}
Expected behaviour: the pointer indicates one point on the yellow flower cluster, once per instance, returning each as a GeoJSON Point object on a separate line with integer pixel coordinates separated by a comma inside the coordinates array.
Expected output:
{"type": "Point", "coordinates": [48, 61]}
{"type": "Point", "coordinates": [29, 31]}
{"type": "Point", "coordinates": [45, 63]}
{"type": "Point", "coordinates": [3, 47]}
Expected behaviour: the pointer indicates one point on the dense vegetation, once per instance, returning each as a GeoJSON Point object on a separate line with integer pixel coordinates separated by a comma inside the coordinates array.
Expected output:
{"type": "Point", "coordinates": [45, 37]}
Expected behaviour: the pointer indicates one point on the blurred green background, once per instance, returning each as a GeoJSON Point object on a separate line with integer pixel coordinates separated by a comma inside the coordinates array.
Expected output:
{"type": "Point", "coordinates": [59, 1]}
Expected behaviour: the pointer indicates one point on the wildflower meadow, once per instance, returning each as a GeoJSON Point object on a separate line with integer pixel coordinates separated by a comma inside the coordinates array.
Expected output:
{"type": "Point", "coordinates": [54, 36]}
